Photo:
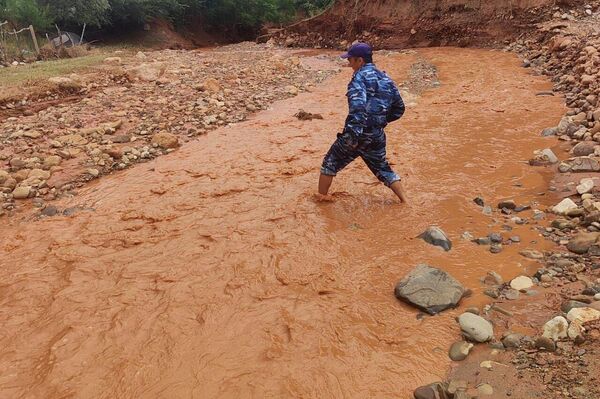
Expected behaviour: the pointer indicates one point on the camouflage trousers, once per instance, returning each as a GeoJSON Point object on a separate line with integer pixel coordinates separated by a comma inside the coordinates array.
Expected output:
{"type": "Point", "coordinates": [370, 147]}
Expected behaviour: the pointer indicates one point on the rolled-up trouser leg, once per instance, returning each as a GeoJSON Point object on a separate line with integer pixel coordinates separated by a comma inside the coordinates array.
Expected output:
{"type": "Point", "coordinates": [338, 157]}
{"type": "Point", "coordinates": [374, 156]}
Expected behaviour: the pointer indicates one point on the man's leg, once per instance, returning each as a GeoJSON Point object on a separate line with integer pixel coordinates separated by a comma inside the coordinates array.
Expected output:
{"type": "Point", "coordinates": [337, 158]}
{"type": "Point", "coordinates": [375, 158]}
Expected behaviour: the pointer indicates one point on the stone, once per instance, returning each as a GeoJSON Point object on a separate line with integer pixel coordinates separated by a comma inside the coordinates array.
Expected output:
{"type": "Point", "coordinates": [460, 350]}
{"type": "Point", "coordinates": [52, 160]}
{"type": "Point", "coordinates": [430, 289]}
{"type": "Point", "coordinates": [64, 83]}
{"type": "Point", "coordinates": [293, 90]}
{"type": "Point", "coordinates": [493, 278]}
{"type": "Point", "coordinates": [455, 386]}
{"type": "Point", "coordinates": [568, 305]}
{"type": "Point", "coordinates": [4, 175]}
{"type": "Point", "coordinates": [584, 164]}
{"type": "Point", "coordinates": [581, 243]}
{"type": "Point", "coordinates": [21, 192]}
{"type": "Point", "coordinates": [508, 204]}
{"type": "Point", "coordinates": [531, 254]}
{"type": "Point", "coordinates": [475, 327]}
{"type": "Point", "coordinates": [113, 60]}
{"type": "Point", "coordinates": [165, 140]}
{"type": "Point", "coordinates": [436, 236]}
{"type": "Point", "coordinates": [512, 340]}
{"type": "Point", "coordinates": [140, 55]}
{"type": "Point", "coordinates": [556, 328]}
{"type": "Point", "coordinates": [545, 343]}
{"type": "Point", "coordinates": [147, 72]}
{"type": "Point", "coordinates": [543, 157]}
{"type": "Point", "coordinates": [564, 206]}
{"type": "Point", "coordinates": [211, 85]}
{"type": "Point", "coordinates": [583, 315]}
{"type": "Point", "coordinates": [585, 186]}
{"type": "Point", "coordinates": [495, 238]}
{"type": "Point", "coordinates": [584, 148]}
{"type": "Point", "coordinates": [496, 248]}
{"type": "Point", "coordinates": [521, 283]}
{"type": "Point", "coordinates": [550, 131]}
{"type": "Point", "coordinates": [72, 139]}
{"type": "Point", "coordinates": [437, 390]}
{"type": "Point", "coordinates": [50, 210]}
{"type": "Point", "coordinates": [485, 390]}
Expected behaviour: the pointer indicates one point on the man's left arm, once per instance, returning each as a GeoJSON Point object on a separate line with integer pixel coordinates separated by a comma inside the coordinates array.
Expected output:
{"type": "Point", "coordinates": [397, 107]}
{"type": "Point", "coordinates": [357, 105]}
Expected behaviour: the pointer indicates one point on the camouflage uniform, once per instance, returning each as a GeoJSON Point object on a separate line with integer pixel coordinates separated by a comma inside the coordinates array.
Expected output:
{"type": "Point", "coordinates": [374, 101]}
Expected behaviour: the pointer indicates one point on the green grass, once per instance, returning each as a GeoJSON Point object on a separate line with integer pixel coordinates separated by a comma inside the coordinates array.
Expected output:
{"type": "Point", "coordinates": [13, 76]}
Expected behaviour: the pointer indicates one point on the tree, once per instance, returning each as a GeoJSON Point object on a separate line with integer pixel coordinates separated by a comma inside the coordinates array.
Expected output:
{"type": "Point", "coordinates": [25, 13]}
{"type": "Point", "coordinates": [79, 12]}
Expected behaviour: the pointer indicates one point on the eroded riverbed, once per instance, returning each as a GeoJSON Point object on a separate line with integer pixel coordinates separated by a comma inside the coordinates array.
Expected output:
{"type": "Point", "coordinates": [212, 272]}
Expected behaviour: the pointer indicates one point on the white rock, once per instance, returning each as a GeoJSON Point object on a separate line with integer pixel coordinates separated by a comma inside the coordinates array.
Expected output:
{"type": "Point", "coordinates": [564, 206]}
{"type": "Point", "coordinates": [549, 155]}
{"type": "Point", "coordinates": [575, 330]}
{"type": "Point", "coordinates": [583, 315]}
{"type": "Point", "coordinates": [521, 283]}
{"type": "Point", "coordinates": [476, 327]}
{"type": "Point", "coordinates": [556, 328]}
{"type": "Point", "coordinates": [597, 297]}
{"type": "Point", "coordinates": [585, 186]}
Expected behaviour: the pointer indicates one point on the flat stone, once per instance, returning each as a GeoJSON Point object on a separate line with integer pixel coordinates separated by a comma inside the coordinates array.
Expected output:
{"type": "Point", "coordinates": [531, 254]}
{"type": "Point", "coordinates": [165, 140]}
{"type": "Point", "coordinates": [564, 206]}
{"type": "Point", "coordinates": [584, 148]}
{"type": "Point", "coordinates": [584, 164]}
{"type": "Point", "coordinates": [436, 236]}
{"type": "Point", "coordinates": [460, 350]}
{"type": "Point", "coordinates": [485, 390]}
{"type": "Point", "coordinates": [429, 289]}
{"type": "Point", "coordinates": [437, 390]}
{"type": "Point", "coordinates": [476, 327]}
{"type": "Point", "coordinates": [512, 340]}
{"type": "Point", "coordinates": [521, 283]}
{"type": "Point", "coordinates": [585, 186]}
{"type": "Point", "coordinates": [545, 343]}
{"type": "Point", "coordinates": [556, 328]}
{"type": "Point", "coordinates": [508, 204]}
{"type": "Point", "coordinates": [583, 315]}
{"type": "Point", "coordinates": [21, 192]}
{"type": "Point", "coordinates": [581, 243]}
{"type": "Point", "coordinates": [568, 305]}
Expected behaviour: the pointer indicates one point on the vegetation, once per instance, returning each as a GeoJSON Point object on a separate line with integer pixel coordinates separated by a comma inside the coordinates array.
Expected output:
{"type": "Point", "coordinates": [229, 15]}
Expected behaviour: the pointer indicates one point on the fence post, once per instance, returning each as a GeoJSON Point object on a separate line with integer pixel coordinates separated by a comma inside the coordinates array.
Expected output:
{"type": "Point", "coordinates": [34, 38]}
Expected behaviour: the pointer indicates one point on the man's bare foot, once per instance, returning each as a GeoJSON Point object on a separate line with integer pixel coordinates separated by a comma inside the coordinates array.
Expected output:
{"type": "Point", "coordinates": [323, 197]}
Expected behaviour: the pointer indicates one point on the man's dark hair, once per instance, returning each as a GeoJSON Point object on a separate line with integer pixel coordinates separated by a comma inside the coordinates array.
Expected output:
{"type": "Point", "coordinates": [368, 59]}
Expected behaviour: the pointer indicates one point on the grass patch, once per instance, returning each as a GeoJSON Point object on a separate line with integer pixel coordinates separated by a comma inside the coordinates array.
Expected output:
{"type": "Point", "coordinates": [17, 76]}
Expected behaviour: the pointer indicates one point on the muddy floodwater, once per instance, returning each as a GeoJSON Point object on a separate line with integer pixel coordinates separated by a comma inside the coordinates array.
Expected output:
{"type": "Point", "coordinates": [212, 273]}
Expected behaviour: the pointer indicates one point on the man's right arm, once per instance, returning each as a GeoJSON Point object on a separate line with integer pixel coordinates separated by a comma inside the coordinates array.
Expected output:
{"type": "Point", "coordinates": [397, 107]}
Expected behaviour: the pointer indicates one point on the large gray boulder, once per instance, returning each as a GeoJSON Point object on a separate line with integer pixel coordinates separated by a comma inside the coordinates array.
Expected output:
{"type": "Point", "coordinates": [430, 289]}
{"type": "Point", "coordinates": [436, 236]}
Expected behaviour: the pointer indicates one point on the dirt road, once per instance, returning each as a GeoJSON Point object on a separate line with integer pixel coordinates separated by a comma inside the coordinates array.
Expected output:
{"type": "Point", "coordinates": [211, 272]}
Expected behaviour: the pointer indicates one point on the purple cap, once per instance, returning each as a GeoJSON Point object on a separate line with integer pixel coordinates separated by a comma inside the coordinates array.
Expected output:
{"type": "Point", "coordinates": [358, 50]}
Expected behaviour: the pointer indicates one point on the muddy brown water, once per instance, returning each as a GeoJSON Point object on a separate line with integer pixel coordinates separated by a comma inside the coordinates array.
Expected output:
{"type": "Point", "coordinates": [212, 272]}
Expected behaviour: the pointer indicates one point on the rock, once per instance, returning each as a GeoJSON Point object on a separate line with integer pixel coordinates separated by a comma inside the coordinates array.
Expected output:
{"type": "Point", "coordinates": [584, 164]}
{"type": "Point", "coordinates": [21, 192]}
{"type": "Point", "coordinates": [165, 140]}
{"type": "Point", "coordinates": [543, 157]}
{"type": "Point", "coordinates": [455, 386]}
{"type": "Point", "coordinates": [550, 131]}
{"type": "Point", "coordinates": [4, 175]}
{"type": "Point", "coordinates": [531, 254]}
{"type": "Point", "coordinates": [597, 297]}
{"type": "Point", "coordinates": [495, 238]}
{"type": "Point", "coordinates": [583, 315]}
{"type": "Point", "coordinates": [556, 328]}
{"type": "Point", "coordinates": [585, 186]}
{"type": "Point", "coordinates": [72, 139]}
{"type": "Point", "coordinates": [436, 236]}
{"type": "Point", "coordinates": [475, 327]}
{"type": "Point", "coordinates": [211, 85]}
{"type": "Point", "coordinates": [49, 211]}
{"type": "Point", "coordinates": [496, 248]}
{"type": "Point", "coordinates": [64, 83]}
{"type": "Point", "coordinates": [512, 340]}
{"type": "Point", "coordinates": [140, 55]}
{"type": "Point", "coordinates": [437, 390]}
{"type": "Point", "coordinates": [545, 343]}
{"type": "Point", "coordinates": [460, 350]}
{"type": "Point", "coordinates": [521, 283]}
{"type": "Point", "coordinates": [581, 243]}
{"type": "Point", "coordinates": [568, 305]}
{"type": "Point", "coordinates": [511, 294]}
{"type": "Point", "coordinates": [113, 60]}
{"type": "Point", "coordinates": [508, 204]}
{"type": "Point", "coordinates": [482, 241]}
{"type": "Point", "coordinates": [147, 72]}
{"type": "Point", "coordinates": [485, 390]}
{"type": "Point", "coordinates": [430, 289]}
{"type": "Point", "coordinates": [584, 148]}
{"type": "Point", "coordinates": [493, 278]}
{"type": "Point", "coordinates": [293, 90]}
{"type": "Point", "coordinates": [564, 206]}
{"type": "Point", "coordinates": [479, 201]}
{"type": "Point", "coordinates": [52, 160]}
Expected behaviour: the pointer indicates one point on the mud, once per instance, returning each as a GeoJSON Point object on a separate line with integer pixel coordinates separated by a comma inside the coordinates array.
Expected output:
{"type": "Point", "coordinates": [212, 272]}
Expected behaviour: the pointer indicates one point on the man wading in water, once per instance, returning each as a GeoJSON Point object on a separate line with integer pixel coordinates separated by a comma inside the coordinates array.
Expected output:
{"type": "Point", "coordinates": [374, 101]}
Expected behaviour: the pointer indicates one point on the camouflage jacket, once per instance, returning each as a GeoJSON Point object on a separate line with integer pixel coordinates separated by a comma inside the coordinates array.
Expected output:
{"type": "Point", "coordinates": [373, 101]}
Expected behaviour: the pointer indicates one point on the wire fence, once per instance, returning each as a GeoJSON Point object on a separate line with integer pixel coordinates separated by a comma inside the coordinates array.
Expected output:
{"type": "Point", "coordinates": [17, 45]}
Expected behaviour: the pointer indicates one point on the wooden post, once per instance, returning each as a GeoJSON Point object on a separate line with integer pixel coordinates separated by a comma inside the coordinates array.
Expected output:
{"type": "Point", "coordinates": [82, 33]}
{"type": "Point", "coordinates": [34, 38]}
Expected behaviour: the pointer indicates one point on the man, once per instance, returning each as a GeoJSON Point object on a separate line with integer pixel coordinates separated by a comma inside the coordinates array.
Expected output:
{"type": "Point", "coordinates": [374, 101]}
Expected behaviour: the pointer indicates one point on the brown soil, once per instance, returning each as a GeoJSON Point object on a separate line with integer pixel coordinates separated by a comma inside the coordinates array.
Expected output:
{"type": "Point", "coordinates": [410, 23]}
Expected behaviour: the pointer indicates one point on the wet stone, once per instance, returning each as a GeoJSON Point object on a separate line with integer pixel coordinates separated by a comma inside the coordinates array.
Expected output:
{"type": "Point", "coordinates": [436, 236]}
{"type": "Point", "coordinates": [460, 350]}
{"type": "Point", "coordinates": [50, 210]}
{"type": "Point", "coordinates": [475, 327]}
{"type": "Point", "coordinates": [430, 289]}
{"type": "Point", "coordinates": [437, 390]}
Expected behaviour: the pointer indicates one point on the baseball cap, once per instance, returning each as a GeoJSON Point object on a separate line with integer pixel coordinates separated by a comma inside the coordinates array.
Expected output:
{"type": "Point", "coordinates": [358, 50]}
